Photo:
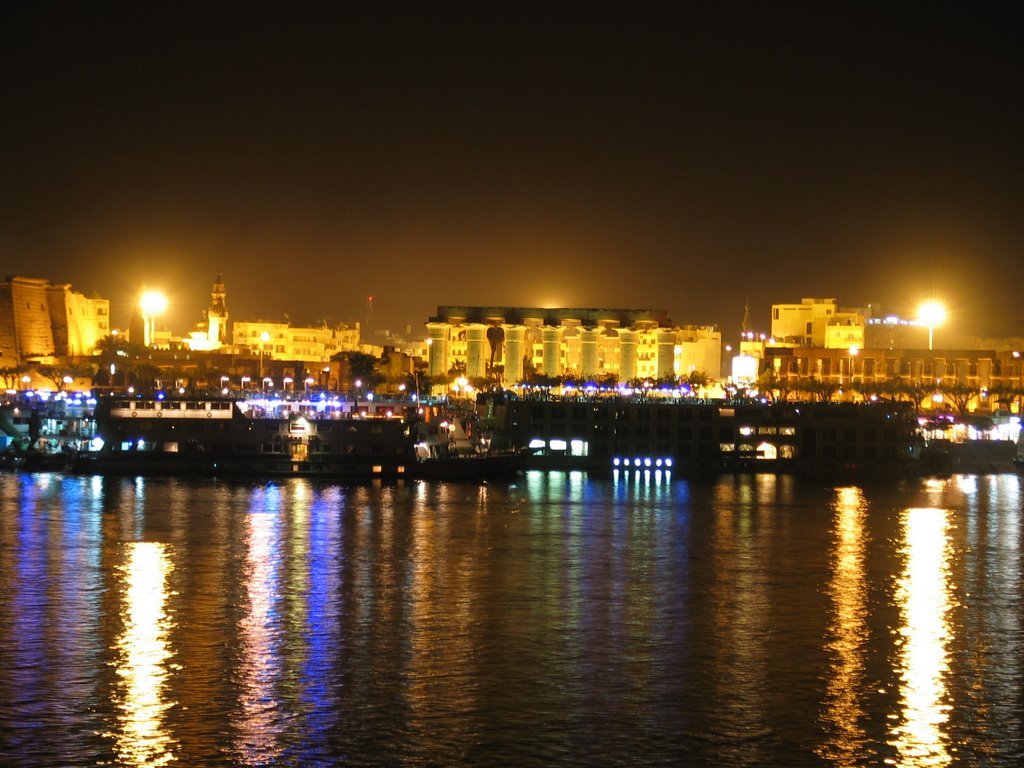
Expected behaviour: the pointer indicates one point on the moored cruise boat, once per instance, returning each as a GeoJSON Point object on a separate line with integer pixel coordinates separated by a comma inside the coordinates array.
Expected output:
{"type": "Point", "coordinates": [266, 437]}
{"type": "Point", "coordinates": [693, 436]}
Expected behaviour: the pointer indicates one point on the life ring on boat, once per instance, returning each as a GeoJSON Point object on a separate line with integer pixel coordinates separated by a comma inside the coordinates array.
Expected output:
{"type": "Point", "coordinates": [134, 414]}
{"type": "Point", "coordinates": [159, 414]}
{"type": "Point", "coordinates": [209, 414]}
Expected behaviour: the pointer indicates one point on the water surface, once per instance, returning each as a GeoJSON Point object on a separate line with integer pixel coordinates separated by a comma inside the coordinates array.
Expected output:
{"type": "Point", "coordinates": [552, 620]}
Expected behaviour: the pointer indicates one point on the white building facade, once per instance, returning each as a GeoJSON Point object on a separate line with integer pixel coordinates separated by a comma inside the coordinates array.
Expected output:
{"type": "Point", "coordinates": [513, 343]}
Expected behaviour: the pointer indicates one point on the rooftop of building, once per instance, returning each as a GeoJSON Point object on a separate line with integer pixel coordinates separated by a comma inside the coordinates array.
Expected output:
{"type": "Point", "coordinates": [457, 315]}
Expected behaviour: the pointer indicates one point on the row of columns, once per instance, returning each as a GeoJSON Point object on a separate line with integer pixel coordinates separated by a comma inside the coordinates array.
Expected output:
{"type": "Point", "coordinates": [552, 337]}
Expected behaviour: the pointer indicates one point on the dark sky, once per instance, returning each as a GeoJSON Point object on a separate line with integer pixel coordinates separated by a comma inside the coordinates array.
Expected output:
{"type": "Point", "coordinates": [534, 155]}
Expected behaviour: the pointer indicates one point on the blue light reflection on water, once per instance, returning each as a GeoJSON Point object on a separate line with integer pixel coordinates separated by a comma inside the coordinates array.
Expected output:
{"type": "Point", "coordinates": [558, 619]}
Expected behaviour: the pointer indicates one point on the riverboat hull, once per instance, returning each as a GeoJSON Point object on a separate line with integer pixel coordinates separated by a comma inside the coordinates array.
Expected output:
{"type": "Point", "coordinates": [230, 438]}
{"type": "Point", "coordinates": [225, 437]}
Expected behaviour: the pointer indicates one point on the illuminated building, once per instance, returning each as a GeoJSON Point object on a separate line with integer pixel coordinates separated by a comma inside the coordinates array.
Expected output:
{"type": "Point", "coordinates": [513, 343]}
{"type": "Point", "coordinates": [895, 333]}
{"type": "Point", "coordinates": [282, 341]}
{"type": "Point", "coordinates": [818, 323]}
{"type": "Point", "coordinates": [856, 374]}
{"type": "Point", "coordinates": [214, 333]}
{"type": "Point", "coordinates": [40, 320]}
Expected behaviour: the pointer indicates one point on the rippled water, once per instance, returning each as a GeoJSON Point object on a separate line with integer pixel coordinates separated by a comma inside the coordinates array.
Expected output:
{"type": "Point", "coordinates": [553, 620]}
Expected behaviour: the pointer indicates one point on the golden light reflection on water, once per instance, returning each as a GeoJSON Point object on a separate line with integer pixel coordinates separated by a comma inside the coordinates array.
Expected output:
{"type": "Point", "coordinates": [145, 655]}
{"type": "Point", "coordinates": [740, 619]}
{"type": "Point", "coordinates": [259, 721]}
{"type": "Point", "coordinates": [923, 594]}
{"type": "Point", "coordinates": [848, 632]}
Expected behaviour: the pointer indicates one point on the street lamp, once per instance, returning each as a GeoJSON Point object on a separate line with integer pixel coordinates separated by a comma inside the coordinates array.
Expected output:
{"type": "Point", "coordinates": [931, 314]}
{"type": "Point", "coordinates": [152, 304]}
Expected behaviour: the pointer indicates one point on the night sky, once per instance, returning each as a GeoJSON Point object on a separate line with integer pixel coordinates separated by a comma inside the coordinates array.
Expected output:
{"type": "Point", "coordinates": [535, 155]}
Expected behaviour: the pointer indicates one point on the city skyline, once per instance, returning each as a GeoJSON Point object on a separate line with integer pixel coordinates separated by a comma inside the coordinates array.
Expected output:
{"type": "Point", "coordinates": [151, 311]}
{"type": "Point", "coordinates": [514, 158]}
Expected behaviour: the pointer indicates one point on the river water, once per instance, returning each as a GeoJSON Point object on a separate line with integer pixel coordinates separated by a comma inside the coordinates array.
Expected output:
{"type": "Point", "coordinates": [557, 619]}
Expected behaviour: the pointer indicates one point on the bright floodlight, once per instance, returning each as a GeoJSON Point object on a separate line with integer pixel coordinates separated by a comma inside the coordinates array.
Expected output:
{"type": "Point", "coordinates": [931, 314]}
{"type": "Point", "coordinates": [153, 303]}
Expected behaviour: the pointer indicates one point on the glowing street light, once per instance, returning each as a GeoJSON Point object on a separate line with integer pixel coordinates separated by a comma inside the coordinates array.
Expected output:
{"type": "Point", "coordinates": [854, 351]}
{"type": "Point", "coordinates": [152, 303]}
{"type": "Point", "coordinates": [931, 314]}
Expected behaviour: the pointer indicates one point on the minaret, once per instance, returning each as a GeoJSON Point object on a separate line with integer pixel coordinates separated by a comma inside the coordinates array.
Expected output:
{"type": "Point", "coordinates": [217, 314]}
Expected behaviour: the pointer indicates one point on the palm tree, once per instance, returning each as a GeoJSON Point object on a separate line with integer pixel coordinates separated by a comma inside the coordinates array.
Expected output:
{"type": "Point", "coordinates": [959, 395]}
{"type": "Point", "coordinates": [873, 389]}
{"type": "Point", "coordinates": [111, 348]}
{"type": "Point", "coordinates": [773, 386]}
{"type": "Point", "coordinates": [144, 375]}
{"type": "Point", "coordinates": [362, 368]}
{"type": "Point", "coordinates": [916, 392]}
{"type": "Point", "coordinates": [821, 391]}
{"type": "Point", "coordinates": [11, 376]}
{"type": "Point", "coordinates": [698, 380]}
{"type": "Point", "coordinates": [52, 373]}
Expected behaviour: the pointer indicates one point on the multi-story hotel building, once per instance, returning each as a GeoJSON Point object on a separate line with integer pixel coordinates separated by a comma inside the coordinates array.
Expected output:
{"type": "Point", "coordinates": [817, 323]}
{"type": "Point", "coordinates": [40, 320]}
{"type": "Point", "coordinates": [515, 342]}
{"type": "Point", "coordinates": [822, 324]}
{"type": "Point", "coordinates": [281, 341]}
{"type": "Point", "coordinates": [983, 372]}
